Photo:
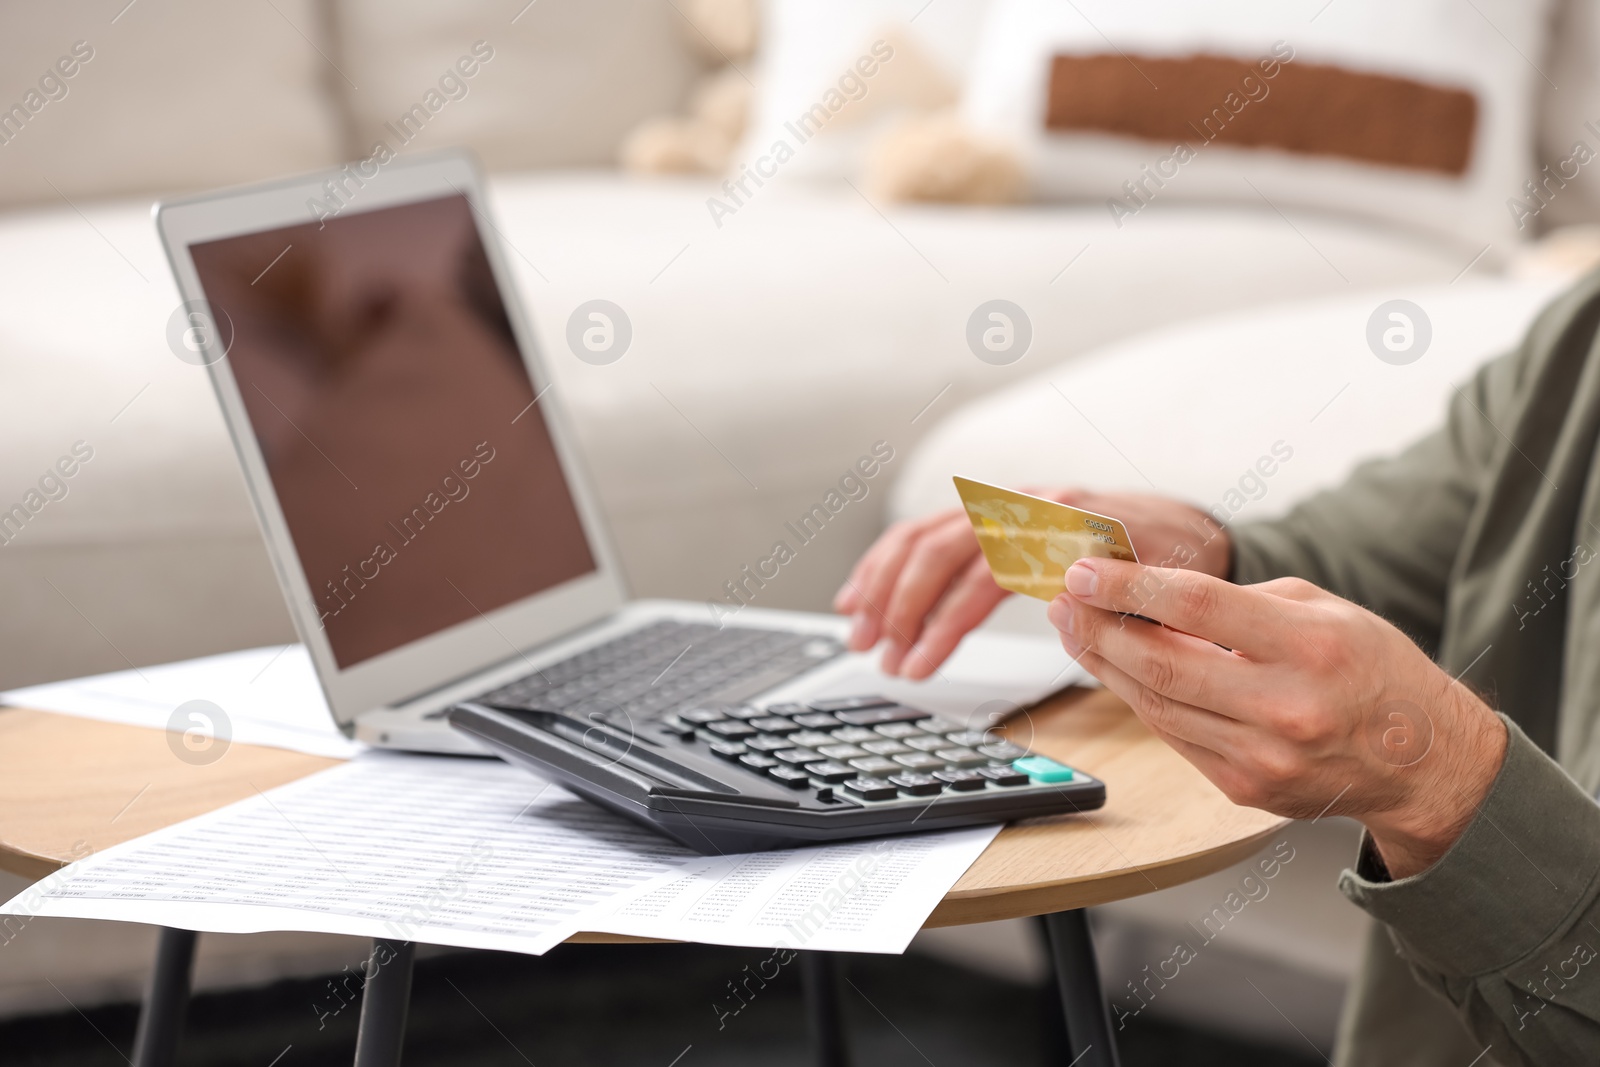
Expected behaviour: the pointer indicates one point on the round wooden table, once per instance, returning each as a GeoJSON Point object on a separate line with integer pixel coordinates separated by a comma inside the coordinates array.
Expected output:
{"type": "Point", "coordinates": [67, 783]}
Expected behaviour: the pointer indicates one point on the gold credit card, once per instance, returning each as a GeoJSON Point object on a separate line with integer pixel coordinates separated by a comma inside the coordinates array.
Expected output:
{"type": "Point", "coordinates": [1029, 542]}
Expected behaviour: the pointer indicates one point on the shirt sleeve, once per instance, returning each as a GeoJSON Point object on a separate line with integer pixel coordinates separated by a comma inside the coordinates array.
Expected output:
{"type": "Point", "coordinates": [1387, 538]}
{"type": "Point", "coordinates": [1506, 925]}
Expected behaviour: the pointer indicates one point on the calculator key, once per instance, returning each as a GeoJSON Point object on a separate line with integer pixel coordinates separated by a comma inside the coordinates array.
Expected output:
{"type": "Point", "coordinates": [848, 703]}
{"type": "Point", "coordinates": [875, 765]}
{"type": "Point", "coordinates": [728, 749]}
{"type": "Point", "coordinates": [786, 709]}
{"type": "Point", "coordinates": [701, 715]}
{"type": "Point", "coordinates": [962, 757]}
{"type": "Point", "coordinates": [1044, 769]}
{"type": "Point", "coordinates": [793, 777]}
{"type": "Point", "coordinates": [899, 730]}
{"type": "Point", "coordinates": [1003, 750]}
{"type": "Point", "coordinates": [774, 725]}
{"type": "Point", "coordinates": [797, 756]}
{"type": "Point", "coordinates": [743, 711]}
{"type": "Point", "coordinates": [679, 728]}
{"type": "Point", "coordinates": [768, 743]}
{"type": "Point", "coordinates": [927, 743]}
{"type": "Point", "coordinates": [964, 781]}
{"type": "Point", "coordinates": [829, 771]}
{"type": "Point", "coordinates": [811, 739]}
{"type": "Point", "coordinates": [816, 720]}
{"type": "Point", "coordinates": [757, 762]}
{"type": "Point", "coordinates": [1004, 775]}
{"type": "Point", "coordinates": [871, 789]}
{"type": "Point", "coordinates": [884, 747]}
{"type": "Point", "coordinates": [732, 729]}
{"type": "Point", "coordinates": [972, 738]}
{"type": "Point", "coordinates": [917, 785]}
{"type": "Point", "coordinates": [920, 761]}
{"type": "Point", "coordinates": [879, 716]}
{"type": "Point", "coordinates": [854, 735]}
{"type": "Point", "coordinates": [843, 751]}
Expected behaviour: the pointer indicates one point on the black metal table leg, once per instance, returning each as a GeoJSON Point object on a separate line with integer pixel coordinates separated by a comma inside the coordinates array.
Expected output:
{"type": "Point", "coordinates": [819, 975]}
{"type": "Point", "coordinates": [1078, 981]}
{"type": "Point", "coordinates": [155, 1043]}
{"type": "Point", "coordinates": [385, 999]}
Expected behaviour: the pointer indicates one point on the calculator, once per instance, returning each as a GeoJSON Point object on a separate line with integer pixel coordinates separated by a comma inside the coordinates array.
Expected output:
{"type": "Point", "coordinates": [745, 777]}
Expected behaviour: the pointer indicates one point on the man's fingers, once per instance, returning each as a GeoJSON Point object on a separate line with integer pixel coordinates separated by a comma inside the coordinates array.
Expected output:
{"type": "Point", "coordinates": [969, 601]}
{"type": "Point", "coordinates": [1297, 589]}
{"type": "Point", "coordinates": [938, 556]}
{"type": "Point", "coordinates": [1230, 615]}
{"type": "Point", "coordinates": [1241, 763]}
{"type": "Point", "coordinates": [1177, 665]}
{"type": "Point", "coordinates": [874, 579]}
{"type": "Point", "coordinates": [849, 596]}
{"type": "Point", "coordinates": [1173, 720]}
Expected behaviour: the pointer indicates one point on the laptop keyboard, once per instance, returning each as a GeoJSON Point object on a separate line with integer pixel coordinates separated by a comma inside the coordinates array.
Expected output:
{"type": "Point", "coordinates": [663, 666]}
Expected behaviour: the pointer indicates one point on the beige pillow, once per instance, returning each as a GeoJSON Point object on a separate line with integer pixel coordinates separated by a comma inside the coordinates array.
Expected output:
{"type": "Point", "coordinates": [557, 82]}
{"type": "Point", "coordinates": [162, 95]}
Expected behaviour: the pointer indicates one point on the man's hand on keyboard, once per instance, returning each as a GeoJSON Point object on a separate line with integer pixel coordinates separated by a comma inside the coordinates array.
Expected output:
{"type": "Point", "coordinates": [924, 585]}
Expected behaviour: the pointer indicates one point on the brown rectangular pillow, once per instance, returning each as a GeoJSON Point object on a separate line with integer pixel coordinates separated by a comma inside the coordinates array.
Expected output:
{"type": "Point", "coordinates": [1304, 108]}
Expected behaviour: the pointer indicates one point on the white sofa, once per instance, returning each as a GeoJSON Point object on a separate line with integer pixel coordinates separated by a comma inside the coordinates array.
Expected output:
{"type": "Point", "coordinates": [769, 352]}
{"type": "Point", "coordinates": [766, 357]}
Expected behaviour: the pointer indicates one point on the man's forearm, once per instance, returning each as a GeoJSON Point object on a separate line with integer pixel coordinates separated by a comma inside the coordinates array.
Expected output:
{"type": "Point", "coordinates": [1506, 924]}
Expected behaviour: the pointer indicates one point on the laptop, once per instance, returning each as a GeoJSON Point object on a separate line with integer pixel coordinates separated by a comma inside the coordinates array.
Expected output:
{"type": "Point", "coordinates": [421, 491]}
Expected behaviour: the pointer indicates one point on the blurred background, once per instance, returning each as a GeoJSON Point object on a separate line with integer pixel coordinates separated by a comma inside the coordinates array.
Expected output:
{"type": "Point", "coordinates": [1204, 215]}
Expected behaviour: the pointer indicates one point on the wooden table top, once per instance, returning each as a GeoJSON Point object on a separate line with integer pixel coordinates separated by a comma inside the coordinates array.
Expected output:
{"type": "Point", "coordinates": [67, 784]}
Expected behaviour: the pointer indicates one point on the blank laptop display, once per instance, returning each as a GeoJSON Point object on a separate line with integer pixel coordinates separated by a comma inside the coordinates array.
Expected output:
{"type": "Point", "coordinates": [399, 426]}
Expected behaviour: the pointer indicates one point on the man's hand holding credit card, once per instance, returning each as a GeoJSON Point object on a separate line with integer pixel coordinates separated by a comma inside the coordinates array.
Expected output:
{"type": "Point", "coordinates": [1280, 692]}
{"type": "Point", "coordinates": [926, 582]}
{"type": "Point", "coordinates": [1029, 542]}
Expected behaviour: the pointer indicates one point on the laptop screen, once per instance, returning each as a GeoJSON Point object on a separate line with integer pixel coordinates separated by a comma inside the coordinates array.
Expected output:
{"type": "Point", "coordinates": [397, 419]}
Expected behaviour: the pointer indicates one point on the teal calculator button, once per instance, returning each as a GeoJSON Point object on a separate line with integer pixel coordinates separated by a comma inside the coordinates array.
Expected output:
{"type": "Point", "coordinates": [1043, 769]}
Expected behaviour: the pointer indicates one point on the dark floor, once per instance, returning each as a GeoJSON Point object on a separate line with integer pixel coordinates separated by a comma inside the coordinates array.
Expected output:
{"type": "Point", "coordinates": [656, 1006]}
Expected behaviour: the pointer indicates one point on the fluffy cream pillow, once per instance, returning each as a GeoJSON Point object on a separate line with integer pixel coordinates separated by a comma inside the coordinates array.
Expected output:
{"type": "Point", "coordinates": [836, 75]}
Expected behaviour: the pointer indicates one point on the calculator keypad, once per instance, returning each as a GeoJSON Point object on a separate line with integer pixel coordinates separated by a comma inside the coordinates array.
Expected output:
{"type": "Point", "coordinates": [873, 748]}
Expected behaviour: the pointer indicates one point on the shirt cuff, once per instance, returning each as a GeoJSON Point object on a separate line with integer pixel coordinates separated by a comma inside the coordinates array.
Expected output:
{"type": "Point", "coordinates": [1517, 876]}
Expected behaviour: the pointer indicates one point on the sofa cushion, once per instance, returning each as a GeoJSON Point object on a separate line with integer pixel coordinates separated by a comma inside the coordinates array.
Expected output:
{"type": "Point", "coordinates": [1190, 411]}
{"type": "Point", "coordinates": [768, 355]}
{"type": "Point", "coordinates": [537, 85]}
{"type": "Point", "coordinates": [176, 95]}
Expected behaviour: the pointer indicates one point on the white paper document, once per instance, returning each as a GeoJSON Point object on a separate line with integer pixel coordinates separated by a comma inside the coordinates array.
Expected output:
{"type": "Point", "coordinates": [866, 896]}
{"type": "Point", "coordinates": [267, 696]}
{"type": "Point", "coordinates": [476, 853]}
{"type": "Point", "coordinates": [449, 851]}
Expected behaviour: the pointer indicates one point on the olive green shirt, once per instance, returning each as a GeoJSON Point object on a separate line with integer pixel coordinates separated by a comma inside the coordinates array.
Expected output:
{"type": "Point", "coordinates": [1480, 541]}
